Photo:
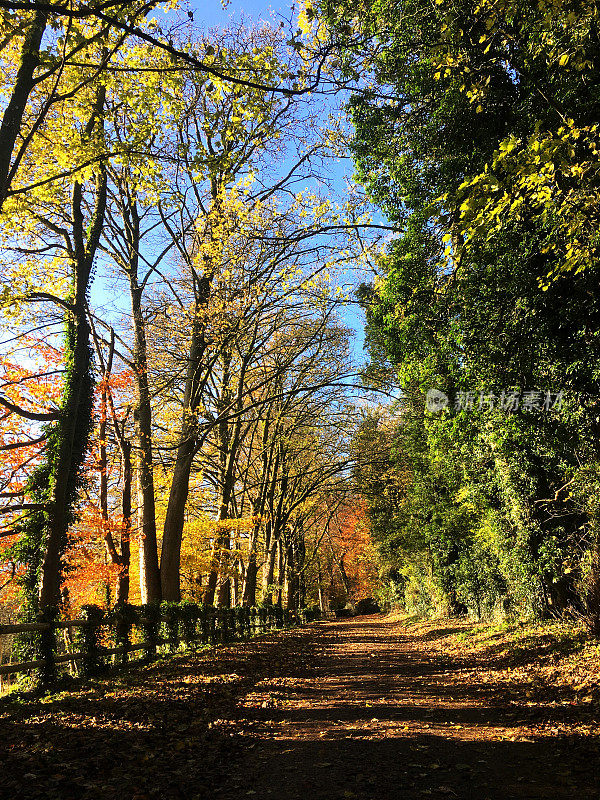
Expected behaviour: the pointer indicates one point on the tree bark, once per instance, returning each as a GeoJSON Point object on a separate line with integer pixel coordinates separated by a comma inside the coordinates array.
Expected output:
{"type": "Point", "coordinates": [281, 553]}
{"type": "Point", "coordinates": [320, 588]}
{"type": "Point", "coordinates": [291, 593]}
{"type": "Point", "coordinates": [75, 420]}
{"type": "Point", "coordinates": [344, 575]}
{"type": "Point", "coordinates": [12, 119]}
{"type": "Point", "coordinates": [249, 589]}
{"type": "Point", "coordinates": [170, 559]}
{"type": "Point", "coordinates": [148, 549]}
{"type": "Point", "coordinates": [270, 567]}
{"type": "Point", "coordinates": [122, 594]}
{"type": "Point", "coordinates": [121, 556]}
{"type": "Point", "coordinates": [229, 442]}
{"type": "Point", "coordinates": [250, 579]}
{"type": "Point", "coordinates": [72, 429]}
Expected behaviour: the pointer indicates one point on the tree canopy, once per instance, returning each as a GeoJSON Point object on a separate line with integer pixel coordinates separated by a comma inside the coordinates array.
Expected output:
{"type": "Point", "coordinates": [182, 410]}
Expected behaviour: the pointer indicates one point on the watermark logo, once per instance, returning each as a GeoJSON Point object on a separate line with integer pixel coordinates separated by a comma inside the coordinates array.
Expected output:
{"type": "Point", "coordinates": [507, 400]}
{"type": "Point", "coordinates": [436, 401]}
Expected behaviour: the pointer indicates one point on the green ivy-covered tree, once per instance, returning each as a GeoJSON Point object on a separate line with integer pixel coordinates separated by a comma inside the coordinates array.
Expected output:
{"type": "Point", "coordinates": [473, 124]}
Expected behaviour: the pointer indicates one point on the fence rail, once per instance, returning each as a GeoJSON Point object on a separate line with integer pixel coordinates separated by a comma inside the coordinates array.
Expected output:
{"type": "Point", "coordinates": [100, 639]}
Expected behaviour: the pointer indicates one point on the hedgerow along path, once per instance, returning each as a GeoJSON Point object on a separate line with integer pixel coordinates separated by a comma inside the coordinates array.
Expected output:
{"type": "Point", "coordinates": [364, 708]}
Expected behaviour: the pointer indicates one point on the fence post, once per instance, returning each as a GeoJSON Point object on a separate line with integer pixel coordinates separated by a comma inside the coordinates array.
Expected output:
{"type": "Point", "coordinates": [149, 623]}
{"type": "Point", "coordinates": [47, 648]}
{"type": "Point", "coordinates": [91, 663]}
{"type": "Point", "coordinates": [171, 612]}
{"type": "Point", "coordinates": [124, 616]}
{"type": "Point", "coordinates": [212, 611]}
{"type": "Point", "coordinates": [190, 614]}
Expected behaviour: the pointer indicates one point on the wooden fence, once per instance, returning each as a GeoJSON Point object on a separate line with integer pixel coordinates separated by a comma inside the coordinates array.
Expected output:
{"type": "Point", "coordinates": [91, 645]}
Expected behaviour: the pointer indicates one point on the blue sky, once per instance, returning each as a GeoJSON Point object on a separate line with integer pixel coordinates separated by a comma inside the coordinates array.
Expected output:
{"type": "Point", "coordinates": [211, 13]}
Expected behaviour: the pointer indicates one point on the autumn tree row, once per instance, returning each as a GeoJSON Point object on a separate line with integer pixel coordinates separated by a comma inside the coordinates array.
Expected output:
{"type": "Point", "coordinates": [175, 375]}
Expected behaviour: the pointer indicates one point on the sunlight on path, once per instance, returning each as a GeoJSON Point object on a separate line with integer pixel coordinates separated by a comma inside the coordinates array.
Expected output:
{"type": "Point", "coordinates": [383, 713]}
{"type": "Point", "coordinates": [365, 709]}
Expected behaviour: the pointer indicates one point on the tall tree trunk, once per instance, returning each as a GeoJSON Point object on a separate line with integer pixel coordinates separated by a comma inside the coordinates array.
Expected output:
{"type": "Point", "coordinates": [122, 594]}
{"type": "Point", "coordinates": [72, 435]}
{"type": "Point", "coordinates": [122, 556]}
{"type": "Point", "coordinates": [269, 574]}
{"type": "Point", "coordinates": [142, 414]}
{"type": "Point", "coordinates": [224, 595]}
{"type": "Point", "coordinates": [291, 578]}
{"type": "Point", "coordinates": [300, 564]}
{"type": "Point", "coordinates": [249, 589]}
{"type": "Point", "coordinates": [223, 511]}
{"type": "Point", "coordinates": [12, 118]}
{"type": "Point", "coordinates": [170, 563]}
{"type": "Point", "coordinates": [229, 442]}
{"type": "Point", "coordinates": [170, 559]}
{"type": "Point", "coordinates": [344, 575]}
{"type": "Point", "coordinates": [277, 514]}
{"type": "Point", "coordinates": [235, 588]}
{"type": "Point", "coordinates": [148, 548]}
{"type": "Point", "coordinates": [103, 468]}
{"type": "Point", "coordinates": [213, 576]}
{"type": "Point", "coordinates": [267, 457]}
{"type": "Point", "coordinates": [281, 553]}
{"type": "Point", "coordinates": [72, 429]}
{"type": "Point", "coordinates": [320, 588]}
{"type": "Point", "coordinates": [295, 567]}
{"type": "Point", "coordinates": [107, 537]}
{"type": "Point", "coordinates": [224, 582]}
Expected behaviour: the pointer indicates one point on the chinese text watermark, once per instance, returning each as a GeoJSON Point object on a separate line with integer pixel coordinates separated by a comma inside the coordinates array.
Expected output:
{"type": "Point", "coordinates": [507, 400]}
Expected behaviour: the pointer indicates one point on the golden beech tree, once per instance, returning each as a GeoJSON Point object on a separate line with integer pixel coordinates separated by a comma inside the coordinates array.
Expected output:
{"type": "Point", "coordinates": [53, 219]}
{"type": "Point", "coordinates": [179, 179]}
{"type": "Point", "coordinates": [41, 49]}
{"type": "Point", "coordinates": [243, 247]}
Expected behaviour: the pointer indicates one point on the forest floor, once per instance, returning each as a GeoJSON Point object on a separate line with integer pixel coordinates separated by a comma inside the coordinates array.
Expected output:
{"type": "Point", "coordinates": [371, 708]}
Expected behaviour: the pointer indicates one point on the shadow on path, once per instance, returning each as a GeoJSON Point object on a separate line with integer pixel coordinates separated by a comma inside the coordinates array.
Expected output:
{"type": "Point", "coordinates": [362, 709]}
{"type": "Point", "coordinates": [385, 714]}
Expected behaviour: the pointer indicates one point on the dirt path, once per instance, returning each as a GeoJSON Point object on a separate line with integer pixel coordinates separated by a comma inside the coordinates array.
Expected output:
{"type": "Point", "coordinates": [365, 709]}
{"type": "Point", "coordinates": [383, 713]}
